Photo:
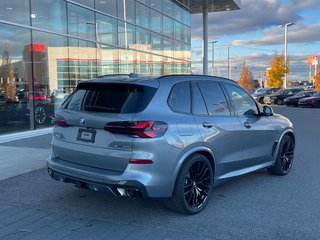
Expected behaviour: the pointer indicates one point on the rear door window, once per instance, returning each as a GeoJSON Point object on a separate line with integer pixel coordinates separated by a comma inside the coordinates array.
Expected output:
{"type": "Point", "coordinates": [215, 99]}
{"type": "Point", "coordinates": [198, 104]}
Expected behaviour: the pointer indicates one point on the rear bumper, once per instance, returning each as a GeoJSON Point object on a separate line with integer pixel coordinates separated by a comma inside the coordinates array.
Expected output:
{"type": "Point", "coordinates": [132, 189]}
{"type": "Point", "coordinates": [130, 182]}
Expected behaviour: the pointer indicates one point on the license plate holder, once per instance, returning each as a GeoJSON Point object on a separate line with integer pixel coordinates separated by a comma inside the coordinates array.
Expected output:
{"type": "Point", "coordinates": [86, 135]}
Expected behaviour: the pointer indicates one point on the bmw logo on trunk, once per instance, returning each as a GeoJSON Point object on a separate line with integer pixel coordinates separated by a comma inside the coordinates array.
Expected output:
{"type": "Point", "coordinates": [82, 121]}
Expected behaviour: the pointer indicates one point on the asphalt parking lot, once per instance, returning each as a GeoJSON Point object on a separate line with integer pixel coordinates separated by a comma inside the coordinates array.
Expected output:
{"type": "Point", "coordinates": [254, 206]}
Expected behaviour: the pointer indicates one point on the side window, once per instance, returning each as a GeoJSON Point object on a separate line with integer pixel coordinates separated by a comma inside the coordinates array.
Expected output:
{"type": "Point", "coordinates": [214, 98]}
{"type": "Point", "coordinates": [179, 99]}
{"type": "Point", "coordinates": [198, 105]}
{"type": "Point", "coordinates": [243, 103]}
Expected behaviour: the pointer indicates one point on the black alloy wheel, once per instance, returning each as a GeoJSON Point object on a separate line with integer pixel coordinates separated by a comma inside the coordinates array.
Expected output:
{"type": "Point", "coordinates": [285, 156]}
{"type": "Point", "coordinates": [193, 186]}
{"type": "Point", "coordinates": [40, 115]}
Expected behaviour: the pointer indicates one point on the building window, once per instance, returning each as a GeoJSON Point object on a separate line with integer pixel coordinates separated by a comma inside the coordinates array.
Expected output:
{"type": "Point", "coordinates": [81, 22]}
{"type": "Point", "coordinates": [14, 11]}
{"type": "Point", "coordinates": [107, 6]}
{"type": "Point", "coordinates": [142, 15]}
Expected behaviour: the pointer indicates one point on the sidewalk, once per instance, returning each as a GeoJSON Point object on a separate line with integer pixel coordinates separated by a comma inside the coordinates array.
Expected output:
{"type": "Point", "coordinates": [25, 155]}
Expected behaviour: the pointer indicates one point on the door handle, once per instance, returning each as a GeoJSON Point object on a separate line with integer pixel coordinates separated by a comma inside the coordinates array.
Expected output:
{"type": "Point", "coordinates": [207, 125]}
{"type": "Point", "coordinates": [247, 125]}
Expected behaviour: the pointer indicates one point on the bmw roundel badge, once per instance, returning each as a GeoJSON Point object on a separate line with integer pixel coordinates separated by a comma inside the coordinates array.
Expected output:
{"type": "Point", "coordinates": [82, 121]}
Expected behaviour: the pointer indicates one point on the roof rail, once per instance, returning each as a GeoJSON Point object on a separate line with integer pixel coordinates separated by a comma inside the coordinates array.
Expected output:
{"type": "Point", "coordinates": [194, 75]}
{"type": "Point", "coordinates": [112, 75]}
{"type": "Point", "coordinates": [130, 75]}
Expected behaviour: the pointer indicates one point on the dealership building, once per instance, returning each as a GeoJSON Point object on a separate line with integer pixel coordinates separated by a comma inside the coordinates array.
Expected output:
{"type": "Point", "coordinates": [49, 46]}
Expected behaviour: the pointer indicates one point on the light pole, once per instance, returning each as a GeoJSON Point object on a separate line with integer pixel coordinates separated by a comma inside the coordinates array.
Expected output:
{"type": "Point", "coordinates": [229, 69]}
{"type": "Point", "coordinates": [228, 59]}
{"type": "Point", "coordinates": [218, 63]}
{"type": "Point", "coordinates": [285, 48]}
{"type": "Point", "coordinates": [213, 42]}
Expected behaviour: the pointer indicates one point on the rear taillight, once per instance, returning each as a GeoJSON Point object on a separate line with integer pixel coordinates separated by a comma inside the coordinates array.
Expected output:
{"type": "Point", "coordinates": [140, 161]}
{"type": "Point", "coordinates": [140, 129]}
{"type": "Point", "coordinates": [59, 121]}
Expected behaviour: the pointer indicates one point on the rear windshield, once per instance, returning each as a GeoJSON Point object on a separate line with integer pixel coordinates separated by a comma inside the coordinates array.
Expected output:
{"type": "Point", "coordinates": [110, 98]}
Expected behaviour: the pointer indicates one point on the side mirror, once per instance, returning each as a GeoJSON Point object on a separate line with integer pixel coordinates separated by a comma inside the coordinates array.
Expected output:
{"type": "Point", "coordinates": [267, 111]}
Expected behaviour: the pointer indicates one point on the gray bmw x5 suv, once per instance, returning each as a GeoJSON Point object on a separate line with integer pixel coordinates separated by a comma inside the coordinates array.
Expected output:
{"type": "Point", "coordinates": [173, 137]}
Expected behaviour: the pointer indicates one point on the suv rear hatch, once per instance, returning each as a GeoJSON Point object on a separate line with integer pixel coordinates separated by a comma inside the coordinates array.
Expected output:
{"type": "Point", "coordinates": [79, 133]}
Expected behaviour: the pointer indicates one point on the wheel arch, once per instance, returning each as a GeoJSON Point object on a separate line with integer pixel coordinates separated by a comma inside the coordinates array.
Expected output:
{"type": "Point", "coordinates": [198, 150]}
{"type": "Point", "coordinates": [288, 132]}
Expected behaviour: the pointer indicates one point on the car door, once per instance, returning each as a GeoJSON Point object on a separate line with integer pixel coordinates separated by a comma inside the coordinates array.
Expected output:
{"type": "Point", "coordinates": [220, 129]}
{"type": "Point", "coordinates": [259, 136]}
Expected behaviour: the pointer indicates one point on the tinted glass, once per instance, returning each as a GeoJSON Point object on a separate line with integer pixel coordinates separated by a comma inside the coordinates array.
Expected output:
{"type": "Point", "coordinates": [88, 3]}
{"type": "Point", "coordinates": [74, 102]}
{"type": "Point", "coordinates": [126, 34]}
{"type": "Point", "coordinates": [16, 11]}
{"type": "Point", "coordinates": [179, 99]}
{"type": "Point", "coordinates": [243, 103]}
{"type": "Point", "coordinates": [114, 98]}
{"type": "Point", "coordinates": [49, 14]}
{"type": "Point", "coordinates": [16, 90]}
{"type": "Point", "coordinates": [214, 99]}
{"type": "Point", "coordinates": [198, 105]}
{"type": "Point", "coordinates": [156, 4]}
{"type": "Point", "coordinates": [142, 15]}
{"type": "Point", "coordinates": [156, 21]}
{"type": "Point", "coordinates": [107, 6]}
{"type": "Point", "coordinates": [280, 91]}
{"type": "Point", "coordinates": [81, 22]}
{"type": "Point", "coordinates": [106, 29]}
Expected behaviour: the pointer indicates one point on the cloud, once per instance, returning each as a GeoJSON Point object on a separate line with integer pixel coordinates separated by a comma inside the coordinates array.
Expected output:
{"type": "Point", "coordinates": [257, 63]}
{"type": "Point", "coordinates": [254, 15]}
{"type": "Point", "coordinates": [299, 34]}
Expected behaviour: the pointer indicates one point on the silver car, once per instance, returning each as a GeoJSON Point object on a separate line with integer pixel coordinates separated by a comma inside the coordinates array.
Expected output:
{"type": "Point", "coordinates": [173, 137]}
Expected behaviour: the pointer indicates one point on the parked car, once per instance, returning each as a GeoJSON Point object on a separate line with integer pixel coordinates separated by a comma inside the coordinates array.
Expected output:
{"type": "Point", "coordinates": [18, 109]}
{"type": "Point", "coordinates": [293, 100]}
{"type": "Point", "coordinates": [172, 137]}
{"type": "Point", "coordinates": [309, 88]}
{"type": "Point", "coordinates": [313, 101]}
{"type": "Point", "coordinates": [37, 96]}
{"type": "Point", "coordinates": [262, 92]}
{"type": "Point", "coordinates": [280, 95]}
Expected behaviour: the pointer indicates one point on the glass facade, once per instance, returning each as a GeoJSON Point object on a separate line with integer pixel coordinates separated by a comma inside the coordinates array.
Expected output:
{"type": "Point", "coordinates": [48, 46]}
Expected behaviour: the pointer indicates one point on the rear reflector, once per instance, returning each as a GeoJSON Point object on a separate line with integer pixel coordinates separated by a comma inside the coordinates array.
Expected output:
{"type": "Point", "coordinates": [140, 129]}
{"type": "Point", "coordinates": [140, 161]}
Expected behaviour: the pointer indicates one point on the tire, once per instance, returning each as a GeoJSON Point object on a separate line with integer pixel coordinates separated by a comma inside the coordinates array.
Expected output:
{"type": "Point", "coordinates": [193, 186]}
{"type": "Point", "coordinates": [285, 156]}
{"type": "Point", "coordinates": [279, 102]}
{"type": "Point", "coordinates": [317, 105]}
{"type": "Point", "coordinates": [40, 115]}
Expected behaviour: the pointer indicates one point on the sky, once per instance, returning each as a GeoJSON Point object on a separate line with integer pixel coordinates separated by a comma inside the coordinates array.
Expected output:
{"type": "Point", "coordinates": [255, 36]}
